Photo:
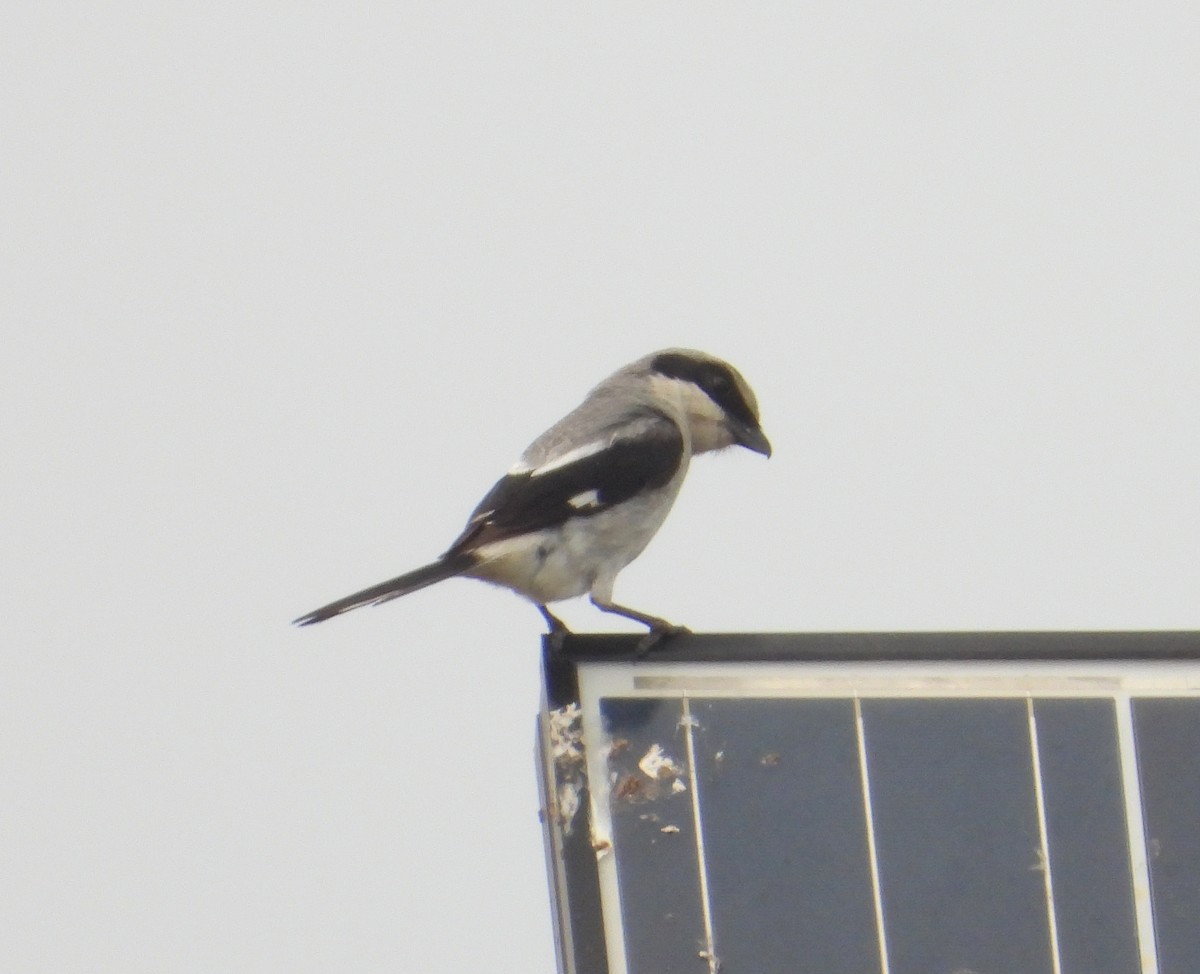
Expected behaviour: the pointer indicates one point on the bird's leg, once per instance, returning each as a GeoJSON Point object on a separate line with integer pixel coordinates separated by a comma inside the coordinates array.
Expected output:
{"type": "Point", "coordinates": [660, 629]}
{"type": "Point", "coordinates": [557, 628]}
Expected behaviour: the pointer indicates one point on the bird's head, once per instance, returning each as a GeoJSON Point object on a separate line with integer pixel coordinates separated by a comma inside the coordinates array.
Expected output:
{"type": "Point", "coordinates": [718, 404]}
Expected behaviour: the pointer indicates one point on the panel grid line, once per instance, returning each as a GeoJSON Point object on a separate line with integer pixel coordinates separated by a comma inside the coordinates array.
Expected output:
{"type": "Point", "coordinates": [872, 852]}
{"type": "Point", "coordinates": [1138, 860]}
{"type": "Point", "coordinates": [1043, 835]}
{"type": "Point", "coordinates": [709, 953]}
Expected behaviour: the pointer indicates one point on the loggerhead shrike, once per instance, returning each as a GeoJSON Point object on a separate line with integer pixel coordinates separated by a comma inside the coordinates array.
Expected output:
{"type": "Point", "coordinates": [590, 492]}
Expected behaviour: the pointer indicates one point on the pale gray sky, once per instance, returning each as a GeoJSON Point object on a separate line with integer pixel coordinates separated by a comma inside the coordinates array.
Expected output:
{"type": "Point", "coordinates": [285, 287]}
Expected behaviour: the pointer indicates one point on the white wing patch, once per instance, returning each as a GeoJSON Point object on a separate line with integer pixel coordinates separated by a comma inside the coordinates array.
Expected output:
{"type": "Point", "coordinates": [587, 450]}
{"type": "Point", "coordinates": [589, 498]}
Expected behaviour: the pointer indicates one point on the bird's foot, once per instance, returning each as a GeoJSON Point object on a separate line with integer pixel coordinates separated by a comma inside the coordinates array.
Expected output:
{"type": "Point", "coordinates": [658, 634]}
{"type": "Point", "coordinates": [557, 630]}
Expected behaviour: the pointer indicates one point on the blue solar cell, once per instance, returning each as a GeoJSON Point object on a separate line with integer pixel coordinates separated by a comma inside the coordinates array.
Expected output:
{"type": "Point", "coordinates": [1168, 746]}
{"type": "Point", "coordinates": [658, 870]}
{"type": "Point", "coordinates": [957, 831]}
{"type": "Point", "coordinates": [785, 836]}
{"type": "Point", "coordinates": [1088, 836]}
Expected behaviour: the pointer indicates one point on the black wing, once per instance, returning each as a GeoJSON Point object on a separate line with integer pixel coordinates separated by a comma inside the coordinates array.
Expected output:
{"type": "Point", "coordinates": [640, 456]}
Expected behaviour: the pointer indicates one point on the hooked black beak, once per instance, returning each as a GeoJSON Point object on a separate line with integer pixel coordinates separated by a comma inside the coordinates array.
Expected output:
{"type": "Point", "coordinates": [752, 438]}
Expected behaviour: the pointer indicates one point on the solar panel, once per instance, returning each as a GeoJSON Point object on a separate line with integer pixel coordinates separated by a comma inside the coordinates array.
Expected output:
{"type": "Point", "coordinates": [938, 803]}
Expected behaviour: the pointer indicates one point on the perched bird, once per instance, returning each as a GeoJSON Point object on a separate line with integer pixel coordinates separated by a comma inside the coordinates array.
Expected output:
{"type": "Point", "coordinates": [587, 495]}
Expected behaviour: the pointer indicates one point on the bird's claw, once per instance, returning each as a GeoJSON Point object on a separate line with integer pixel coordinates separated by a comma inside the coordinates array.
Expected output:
{"type": "Point", "coordinates": [556, 637]}
{"type": "Point", "coordinates": [657, 635]}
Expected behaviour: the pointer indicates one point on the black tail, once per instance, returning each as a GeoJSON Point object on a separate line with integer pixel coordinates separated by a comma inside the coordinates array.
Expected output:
{"type": "Point", "coordinates": [438, 571]}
